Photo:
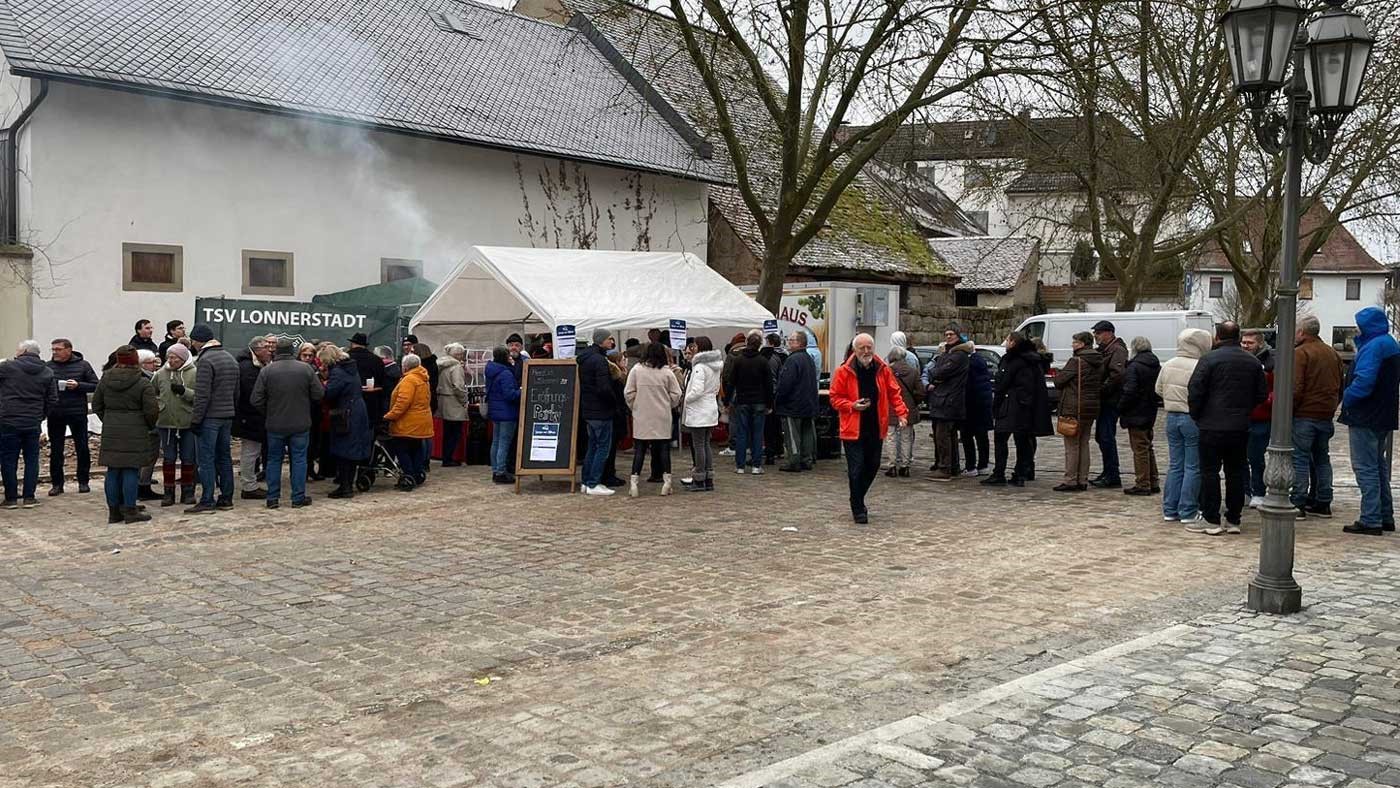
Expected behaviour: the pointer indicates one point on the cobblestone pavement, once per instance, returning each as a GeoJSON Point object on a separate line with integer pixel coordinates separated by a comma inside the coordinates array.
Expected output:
{"type": "Point", "coordinates": [463, 635]}
{"type": "Point", "coordinates": [1232, 698]}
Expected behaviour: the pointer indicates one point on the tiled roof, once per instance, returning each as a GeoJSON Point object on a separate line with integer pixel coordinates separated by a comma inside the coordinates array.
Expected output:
{"type": "Point", "coordinates": [929, 206]}
{"type": "Point", "coordinates": [1341, 253]}
{"type": "Point", "coordinates": [1072, 295]}
{"type": "Point", "coordinates": [986, 262]}
{"type": "Point", "coordinates": [1014, 137]}
{"type": "Point", "coordinates": [1044, 182]}
{"type": "Point", "coordinates": [513, 82]}
{"type": "Point", "coordinates": [866, 232]}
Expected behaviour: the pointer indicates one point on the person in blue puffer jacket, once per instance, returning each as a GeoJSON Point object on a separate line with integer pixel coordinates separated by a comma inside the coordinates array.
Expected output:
{"type": "Point", "coordinates": [1371, 411]}
{"type": "Point", "coordinates": [503, 408]}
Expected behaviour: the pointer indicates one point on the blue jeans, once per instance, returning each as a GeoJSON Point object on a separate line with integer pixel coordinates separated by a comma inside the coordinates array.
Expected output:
{"type": "Point", "coordinates": [1106, 435]}
{"type": "Point", "coordinates": [1258, 443]}
{"type": "Point", "coordinates": [14, 442]}
{"type": "Point", "coordinates": [1372, 466]}
{"type": "Point", "coordinates": [215, 459]}
{"type": "Point", "coordinates": [1182, 490]}
{"type": "Point", "coordinates": [502, 435]}
{"type": "Point", "coordinates": [599, 444]}
{"type": "Point", "coordinates": [1310, 459]}
{"type": "Point", "coordinates": [748, 422]}
{"type": "Point", "coordinates": [296, 443]}
{"type": "Point", "coordinates": [120, 486]}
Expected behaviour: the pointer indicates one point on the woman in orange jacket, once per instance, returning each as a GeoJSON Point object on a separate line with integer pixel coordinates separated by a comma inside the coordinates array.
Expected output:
{"type": "Point", "coordinates": [863, 391]}
{"type": "Point", "coordinates": [410, 420]}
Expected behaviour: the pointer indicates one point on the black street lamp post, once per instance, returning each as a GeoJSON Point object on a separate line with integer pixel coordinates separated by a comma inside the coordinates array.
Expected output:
{"type": "Point", "coordinates": [1329, 61]}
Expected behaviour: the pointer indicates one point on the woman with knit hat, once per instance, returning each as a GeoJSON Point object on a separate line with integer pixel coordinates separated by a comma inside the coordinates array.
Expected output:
{"type": "Point", "coordinates": [175, 394]}
{"type": "Point", "coordinates": [126, 403]}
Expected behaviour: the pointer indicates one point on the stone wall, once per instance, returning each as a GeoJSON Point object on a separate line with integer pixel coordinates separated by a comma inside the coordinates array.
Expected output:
{"type": "Point", "coordinates": [924, 321]}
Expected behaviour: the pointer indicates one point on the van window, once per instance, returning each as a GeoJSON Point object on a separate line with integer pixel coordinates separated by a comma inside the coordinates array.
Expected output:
{"type": "Point", "coordinates": [1035, 330]}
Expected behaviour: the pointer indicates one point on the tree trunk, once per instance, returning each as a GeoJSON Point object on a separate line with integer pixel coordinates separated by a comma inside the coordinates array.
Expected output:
{"type": "Point", "coordinates": [776, 259]}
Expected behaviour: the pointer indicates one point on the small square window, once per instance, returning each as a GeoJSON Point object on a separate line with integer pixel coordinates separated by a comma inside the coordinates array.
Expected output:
{"type": "Point", "coordinates": [1305, 288]}
{"type": "Point", "coordinates": [1344, 338]}
{"type": "Point", "coordinates": [1353, 289]}
{"type": "Point", "coordinates": [267, 273]}
{"type": "Point", "coordinates": [392, 269]}
{"type": "Point", "coordinates": [156, 268]}
{"type": "Point", "coordinates": [1217, 287]}
{"type": "Point", "coordinates": [965, 298]}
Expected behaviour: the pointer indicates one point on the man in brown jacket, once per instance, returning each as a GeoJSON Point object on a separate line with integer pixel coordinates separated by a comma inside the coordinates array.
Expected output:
{"type": "Point", "coordinates": [1317, 391]}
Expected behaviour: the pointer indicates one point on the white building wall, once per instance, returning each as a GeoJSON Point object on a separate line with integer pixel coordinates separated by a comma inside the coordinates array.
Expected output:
{"type": "Point", "coordinates": [1329, 303]}
{"type": "Point", "coordinates": [108, 167]}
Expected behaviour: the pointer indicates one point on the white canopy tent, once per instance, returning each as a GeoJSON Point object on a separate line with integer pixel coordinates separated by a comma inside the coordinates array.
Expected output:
{"type": "Point", "coordinates": [497, 290]}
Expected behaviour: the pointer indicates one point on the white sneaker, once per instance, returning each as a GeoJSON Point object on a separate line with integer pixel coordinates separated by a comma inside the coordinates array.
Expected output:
{"type": "Point", "coordinates": [970, 473]}
{"type": "Point", "coordinates": [726, 452]}
{"type": "Point", "coordinates": [1256, 501]}
{"type": "Point", "coordinates": [739, 471]}
{"type": "Point", "coordinates": [598, 490]}
{"type": "Point", "coordinates": [687, 480]}
{"type": "Point", "coordinates": [1196, 525]}
{"type": "Point", "coordinates": [757, 469]}
{"type": "Point", "coordinates": [1167, 519]}
{"type": "Point", "coordinates": [1231, 528]}
{"type": "Point", "coordinates": [1214, 530]}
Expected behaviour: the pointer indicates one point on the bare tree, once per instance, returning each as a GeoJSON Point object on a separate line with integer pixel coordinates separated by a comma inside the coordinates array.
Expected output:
{"type": "Point", "coordinates": [816, 66]}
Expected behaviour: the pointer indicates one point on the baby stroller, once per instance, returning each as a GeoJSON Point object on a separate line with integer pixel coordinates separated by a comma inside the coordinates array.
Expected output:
{"type": "Point", "coordinates": [382, 463]}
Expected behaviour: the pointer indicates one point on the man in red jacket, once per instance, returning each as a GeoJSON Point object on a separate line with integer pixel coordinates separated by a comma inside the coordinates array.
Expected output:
{"type": "Point", "coordinates": [862, 391]}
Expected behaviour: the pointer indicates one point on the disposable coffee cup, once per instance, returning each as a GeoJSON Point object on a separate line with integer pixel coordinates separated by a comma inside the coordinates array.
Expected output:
{"type": "Point", "coordinates": [369, 383]}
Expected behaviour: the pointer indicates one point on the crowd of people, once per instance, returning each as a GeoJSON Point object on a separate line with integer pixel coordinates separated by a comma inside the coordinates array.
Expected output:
{"type": "Point", "coordinates": [322, 409]}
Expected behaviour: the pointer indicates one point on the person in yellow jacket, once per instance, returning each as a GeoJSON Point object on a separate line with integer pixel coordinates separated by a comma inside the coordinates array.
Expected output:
{"type": "Point", "coordinates": [410, 418]}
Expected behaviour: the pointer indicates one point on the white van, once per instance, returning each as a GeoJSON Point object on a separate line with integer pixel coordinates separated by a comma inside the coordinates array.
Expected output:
{"type": "Point", "coordinates": [1160, 328]}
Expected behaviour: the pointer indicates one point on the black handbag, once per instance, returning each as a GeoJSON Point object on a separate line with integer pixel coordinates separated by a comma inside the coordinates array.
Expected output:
{"type": "Point", "coordinates": [340, 421]}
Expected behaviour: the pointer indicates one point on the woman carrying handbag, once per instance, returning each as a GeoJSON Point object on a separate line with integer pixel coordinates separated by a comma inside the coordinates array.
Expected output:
{"type": "Point", "coordinates": [1080, 384]}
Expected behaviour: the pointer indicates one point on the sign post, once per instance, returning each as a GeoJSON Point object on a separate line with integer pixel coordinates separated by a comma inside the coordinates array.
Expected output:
{"type": "Point", "coordinates": [545, 444]}
{"type": "Point", "coordinates": [770, 327]}
{"type": "Point", "coordinates": [565, 341]}
{"type": "Point", "coordinates": [677, 334]}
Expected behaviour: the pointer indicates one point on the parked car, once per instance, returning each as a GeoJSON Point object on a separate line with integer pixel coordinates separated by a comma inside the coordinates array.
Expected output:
{"type": "Point", "coordinates": [1160, 328]}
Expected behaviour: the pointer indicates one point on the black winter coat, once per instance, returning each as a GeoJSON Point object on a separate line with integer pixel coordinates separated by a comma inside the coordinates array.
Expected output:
{"type": "Point", "coordinates": [597, 400]}
{"type": "Point", "coordinates": [369, 367]}
{"type": "Point", "coordinates": [1137, 405]}
{"type": "Point", "coordinates": [797, 387]}
{"type": "Point", "coordinates": [27, 392]}
{"type": "Point", "coordinates": [947, 383]}
{"type": "Point", "coordinates": [248, 422]}
{"type": "Point", "coordinates": [1021, 403]}
{"type": "Point", "coordinates": [979, 395]}
{"type": "Point", "coordinates": [75, 402]}
{"type": "Point", "coordinates": [1225, 387]}
{"type": "Point", "coordinates": [752, 379]}
{"type": "Point", "coordinates": [215, 385]}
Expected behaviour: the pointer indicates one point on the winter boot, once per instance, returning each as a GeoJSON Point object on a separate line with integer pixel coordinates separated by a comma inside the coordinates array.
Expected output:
{"type": "Point", "coordinates": [130, 514]}
{"type": "Point", "coordinates": [632, 485]}
{"type": "Point", "coordinates": [709, 485]}
{"type": "Point", "coordinates": [187, 495]}
{"type": "Point", "coordinates": [168, 499]}
{"type": "Point", "coordinates": [665, 484]}
{"type": "Point", "coordinates": [145, 493]}
{"type": "Point", "coordinates": [114, 514]}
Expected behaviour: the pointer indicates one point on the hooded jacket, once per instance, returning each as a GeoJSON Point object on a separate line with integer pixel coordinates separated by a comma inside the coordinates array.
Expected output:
{"type": "Point", "coordinates": [1191, 345]}
{"type": "Point", "coordinates": [651, 393]}
{"type": "Point", "coordinates": [73, 402]}
{"type": "Point", "coordinates": [1225, 387]}
{"type": "Point", "coordinates": [797, 387]}
{"type": "Point", "coordinates": [452, 389]}
{"type": "Point", "coordinates": [845, 390]}
{"type": "Point", "coordinates": [345, 393]}
{"type": "Point", "coordinates": [1317, 380]}
{"type": "Point", "coordinates": [410, 410]}
{"type": "Point", "coordinates": [1372, 396]}
{"type": "Point", "coordinates": [1081, 384]}
{"type": "Point", "coordinates": [910, 386]}
{"type": "Point", "coordinates": [980, 394]}
{"type": "Point", "coordinates": [946, 376]}
{"type": "Point", "coordinates": [126, 403]}
{"type": "Point", "coordinates": [1020, 402]}
{"type": "Point", "coordinates": [175, 409]}
{"type": "Point", "coordinates": [597, 401]}
{"type": "Point", "coordinates": [901, 340]}
{"type": "Point", "coordinates": [1137, 406]}
{"type": "Point", "coordinates": [700, 405]}
{"type": "Point", "coordinates": [751, 379]}
{"type": "Point", "coordinates": [27, 392]}
{"type": "Point", "coordinates": [502, 392]}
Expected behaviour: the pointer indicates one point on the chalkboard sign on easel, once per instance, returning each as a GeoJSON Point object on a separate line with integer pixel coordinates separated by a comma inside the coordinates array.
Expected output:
{"type": "Point", "coordinates": [545, 442]}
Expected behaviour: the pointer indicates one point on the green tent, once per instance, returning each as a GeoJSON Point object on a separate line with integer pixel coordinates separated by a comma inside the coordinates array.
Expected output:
{"type": "Point", "coordinates": [400, 292]}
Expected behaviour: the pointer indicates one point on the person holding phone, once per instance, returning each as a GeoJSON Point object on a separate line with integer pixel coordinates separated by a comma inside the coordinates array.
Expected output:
{"type": "Point", "coordinates": [863, 392]}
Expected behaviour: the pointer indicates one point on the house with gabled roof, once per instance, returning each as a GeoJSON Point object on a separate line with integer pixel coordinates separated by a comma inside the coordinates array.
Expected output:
{"type": "Point", "coordinates": [156, 151]}
{"type": "Point", "coordinates": [993, 272]}
{"type": "Point", "coordinates": [876, 233]}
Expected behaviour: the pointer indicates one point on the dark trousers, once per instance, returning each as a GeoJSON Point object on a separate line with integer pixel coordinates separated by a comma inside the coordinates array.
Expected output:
{"type": "Point", "coordinates": [1106, 435]}
{"type": "Point", "coordinates": [1229, 449]}
{"type": "Point", "coordinates": [14, 443]}
{"type": "Point", "coordinates": [59, 425]}
{"type": "Point", "coordinates": [1025, 454]}
{"type": "Point", "coordinates": [772, 438]}
{"type": "Point", "coordinates": [409, 453]}
{"type": "Point", "coordinates": [452, 438]}
{"type": "Point", "coordinates": [945, 446]}
{"type": "Point", "coordinates": [862, 466]}
{"type": "Point", "coordinates": [660, 456]}
{"type": "Point", "coordinates": [974, 445]}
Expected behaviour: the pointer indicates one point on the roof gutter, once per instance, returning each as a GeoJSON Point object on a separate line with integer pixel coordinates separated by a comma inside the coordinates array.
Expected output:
{"type": "Point", "coordinates": [12, 163]}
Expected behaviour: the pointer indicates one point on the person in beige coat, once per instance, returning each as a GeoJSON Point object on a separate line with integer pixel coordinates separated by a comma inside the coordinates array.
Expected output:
{"type": "Point", "coordinates": [1181, 489]}
{"type": "Point", "coordinates": [652, 393]}
{"type": "Point", "coordinates": [452, 401]}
